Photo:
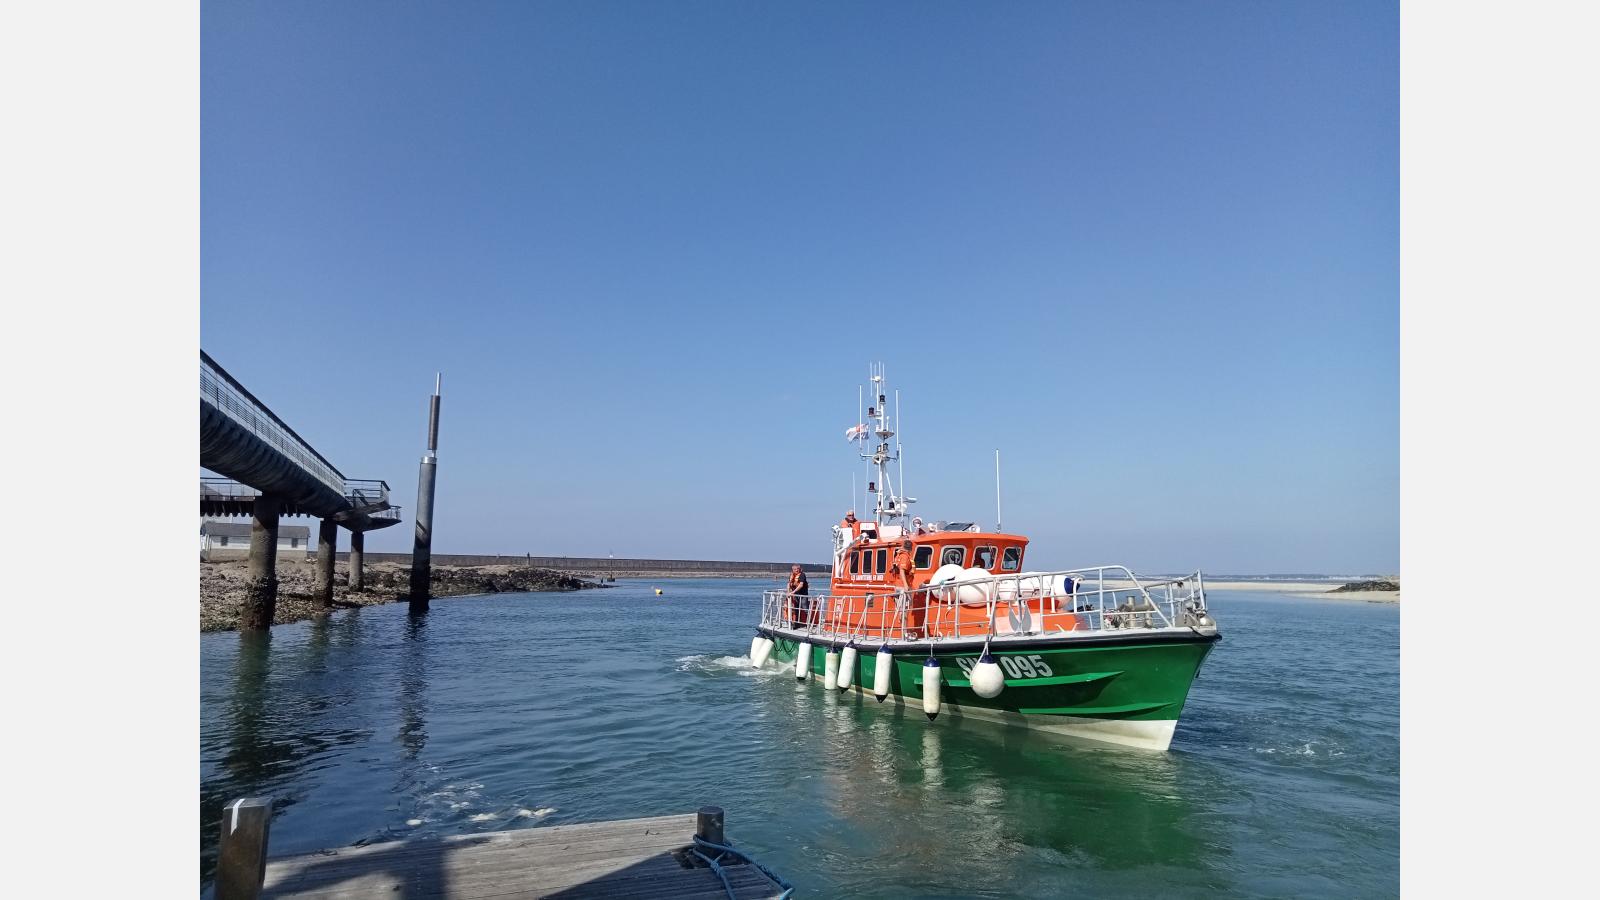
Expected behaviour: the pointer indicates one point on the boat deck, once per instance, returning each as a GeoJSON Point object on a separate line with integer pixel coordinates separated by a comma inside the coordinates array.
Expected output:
{"type": "Point", "coordinates": [628, 858]}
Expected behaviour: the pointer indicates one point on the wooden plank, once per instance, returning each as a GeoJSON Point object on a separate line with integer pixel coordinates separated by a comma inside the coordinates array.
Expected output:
{"type": "Point", "coordinates": [681, 884]}
{"type": "Point", "coordinates": [587, 839]}
{"type": "Point", "coordinates": [682, 822]}
{"type": "Point", "coordinates": [470, 860]}
{"type": "Point", "coordinates": [587, 861]}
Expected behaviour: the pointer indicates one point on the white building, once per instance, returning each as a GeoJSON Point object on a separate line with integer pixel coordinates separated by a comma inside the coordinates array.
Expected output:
{"type": "Point", "coordinates": [231, 540]}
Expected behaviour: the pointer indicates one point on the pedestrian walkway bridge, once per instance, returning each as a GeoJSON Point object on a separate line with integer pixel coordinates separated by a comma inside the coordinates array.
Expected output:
{"type": "Point", "coordinates": [259, 453]}
{"type": "Point", "coordinates": [268, 471]}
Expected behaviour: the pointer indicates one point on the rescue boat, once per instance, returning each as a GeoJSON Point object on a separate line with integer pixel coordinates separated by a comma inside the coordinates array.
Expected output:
{"type": "Point", "coordinates": [945, 617]}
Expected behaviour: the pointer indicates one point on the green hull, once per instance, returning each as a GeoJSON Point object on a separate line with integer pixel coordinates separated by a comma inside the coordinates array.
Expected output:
{"type": "Point", "coordinates": [1126, 692]}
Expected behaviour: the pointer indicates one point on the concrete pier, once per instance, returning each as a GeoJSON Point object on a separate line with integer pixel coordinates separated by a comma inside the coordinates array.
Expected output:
{"type": "Point", "coordinates": [358, 578]}
{"type": "Point", "coordinates": [261, 581]}
{"type": "Point", "coordinates": [327, 544]}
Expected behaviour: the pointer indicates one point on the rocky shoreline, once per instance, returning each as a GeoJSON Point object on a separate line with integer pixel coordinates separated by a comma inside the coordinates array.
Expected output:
{"type": "Point", "coordinates": [1355, 586]}
{"type": "Point", "coordinates": [222, 587]}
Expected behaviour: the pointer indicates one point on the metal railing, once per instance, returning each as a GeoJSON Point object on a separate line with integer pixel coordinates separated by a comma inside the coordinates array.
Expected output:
{"type": "Point", "coordinates": [226, 489]}
{"type": "Point", "coordinates": [220, 389]}
{"type": "Point", "coordinates": [369, 496]}
{"type": "Point", "coordinates": [366, 493]}
{"type": "Point", "coordinates": [1024, 604]}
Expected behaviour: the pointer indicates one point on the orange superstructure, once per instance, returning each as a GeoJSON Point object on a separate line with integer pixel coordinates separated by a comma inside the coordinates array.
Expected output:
{"type": "Point", "coordinates": [864, 567]}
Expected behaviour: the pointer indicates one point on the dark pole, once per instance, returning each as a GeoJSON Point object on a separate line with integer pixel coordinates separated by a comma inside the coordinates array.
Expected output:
{"type": "Point", "coordinates": [422, 548]}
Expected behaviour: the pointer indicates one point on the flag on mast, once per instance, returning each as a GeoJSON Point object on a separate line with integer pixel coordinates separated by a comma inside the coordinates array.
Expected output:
{"type": "Point", "coordinates": [855, 432]}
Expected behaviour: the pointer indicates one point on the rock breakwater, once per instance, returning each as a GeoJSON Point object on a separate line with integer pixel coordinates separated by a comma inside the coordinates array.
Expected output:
{"type": "Point", "coordinates": [222, 587]}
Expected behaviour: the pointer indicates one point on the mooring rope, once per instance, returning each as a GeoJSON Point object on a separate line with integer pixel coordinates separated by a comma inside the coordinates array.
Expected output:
{"type": "Point", "coordinates": [716, 866]}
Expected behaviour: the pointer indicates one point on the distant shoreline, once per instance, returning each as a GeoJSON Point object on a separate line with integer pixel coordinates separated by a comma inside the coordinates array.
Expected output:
{"type": "Point", "coordinates": [1325, 590]}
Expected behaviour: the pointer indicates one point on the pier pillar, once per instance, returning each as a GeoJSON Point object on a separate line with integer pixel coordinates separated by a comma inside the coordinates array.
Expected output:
{"type": "Point", "coordinates": [327, 543]}
{"type": "Point", "coordinates": [422, 547]}
{"type": "Point", "coordinates": [358, 582]}
{"type": "Point", "coordinates": [261, 579]}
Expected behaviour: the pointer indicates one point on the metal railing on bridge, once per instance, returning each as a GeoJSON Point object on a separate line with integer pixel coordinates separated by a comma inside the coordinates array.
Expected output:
{"type": "Point", "coordinates": [368, 497]}
{"type": "Point", "coordinates": [367, 494]}
{"type": "Point", "coordinates": [219, 389]}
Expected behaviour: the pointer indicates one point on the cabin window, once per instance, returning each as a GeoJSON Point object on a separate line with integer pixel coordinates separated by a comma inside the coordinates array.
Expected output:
{"type": "Point", "coordinates": [855, 563]}
{"type": "Point", "coordinates": [1012, 560]}
{"type": "Point", "coordinates": [953, 556]}
{"type": "Point", "coordinates": [983, 558]}
{"type": "Point", "coordinates": [222, 540]}
{"type": "Point", "coordinates": [294, 543]}
{"type": "Point", "coordinates": [924, 558]}
{"type": "Point", "coordinates": [882, 557]}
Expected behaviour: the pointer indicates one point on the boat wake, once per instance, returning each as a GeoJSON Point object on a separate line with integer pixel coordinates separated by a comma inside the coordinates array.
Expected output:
{"type": "Point", "coordinates": [1310, 748]}
{"type": "Point", "coordinates": [707, 664]}
{"type": "Point", "coordinates": [440, 805]}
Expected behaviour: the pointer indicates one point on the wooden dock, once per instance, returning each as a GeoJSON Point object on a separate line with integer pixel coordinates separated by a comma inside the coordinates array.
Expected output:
{"type": "Point", "coordinates": [610, 860]}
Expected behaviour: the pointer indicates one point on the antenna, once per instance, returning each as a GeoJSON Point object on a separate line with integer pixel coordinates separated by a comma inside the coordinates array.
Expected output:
{"type": "Point", "coordinates": [861, 420]}
{"type": "Point", "coordinates": [997, 490]}
{"type": "Point", "coordinates": [899, 452]}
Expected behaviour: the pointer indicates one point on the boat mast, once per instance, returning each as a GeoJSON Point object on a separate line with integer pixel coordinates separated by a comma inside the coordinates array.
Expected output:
{"type": "Point", "coordinates": [889, 505]}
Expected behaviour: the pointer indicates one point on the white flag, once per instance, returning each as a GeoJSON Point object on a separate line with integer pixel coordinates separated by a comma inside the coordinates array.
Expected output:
{"type": "Point", "coordinates": [851, 434]}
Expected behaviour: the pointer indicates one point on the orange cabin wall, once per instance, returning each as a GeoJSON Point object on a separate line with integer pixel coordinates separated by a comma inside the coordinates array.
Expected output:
{"type": "Point", "coordinates": [853, 584]}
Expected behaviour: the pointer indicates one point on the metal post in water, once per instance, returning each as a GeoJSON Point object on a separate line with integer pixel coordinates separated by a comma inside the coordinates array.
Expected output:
{"type": "Point", "coordinates": [422, 548]}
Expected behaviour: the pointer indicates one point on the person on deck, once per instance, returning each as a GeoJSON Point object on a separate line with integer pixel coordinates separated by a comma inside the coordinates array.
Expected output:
{"type": "Point", "coordinates": [900, 577]}
{"type": "Point", "coordinates": [851, 523]}
{"type": "Point", "coordinates": [799, 602]}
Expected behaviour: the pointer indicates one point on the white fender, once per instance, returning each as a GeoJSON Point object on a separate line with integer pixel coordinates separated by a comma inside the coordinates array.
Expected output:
{"type": "Point", "coordinates": [755, 645]}
{"type": "Point", "coordinates": [802, 661]}
{"type": "Point", "coordinates": [1024, 584]}
{"type": "Point", "coordinates": [930, 688]}
{"type": "Point", "coordinates": [880, 673]}
{"type": "Point", "coordinates": [986, 678]}
{"type": "Point", "coordinates": [763, 649]}
{"type": "Point", "coordinates": [946, 572]}
{"type": "Point", "coordinates": [974, 593]}
{"type": "Point", "coordinates": [830, 669]}
{"type": "Point", "coordinates": [847, 667]}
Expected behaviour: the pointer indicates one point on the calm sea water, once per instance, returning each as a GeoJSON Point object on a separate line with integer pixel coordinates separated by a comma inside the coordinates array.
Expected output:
{"type": "Point", "coordinates": [529, 710]}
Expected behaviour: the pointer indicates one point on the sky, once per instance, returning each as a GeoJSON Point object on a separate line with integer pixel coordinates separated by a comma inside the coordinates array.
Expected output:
{"type": "Point", "coordinates": [1150, 251]}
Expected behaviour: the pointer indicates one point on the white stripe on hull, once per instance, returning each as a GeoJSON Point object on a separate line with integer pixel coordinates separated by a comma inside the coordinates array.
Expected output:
{"type": "Point", "coordinates": [1146, 734]}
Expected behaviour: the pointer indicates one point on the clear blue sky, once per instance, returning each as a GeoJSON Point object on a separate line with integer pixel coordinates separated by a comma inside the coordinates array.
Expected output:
{"type": "Point", "coordinates": [1149, 250]}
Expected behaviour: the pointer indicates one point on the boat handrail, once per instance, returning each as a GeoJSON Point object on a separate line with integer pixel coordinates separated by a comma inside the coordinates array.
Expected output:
{"type": "Point", "coordinates": [1093, 605]}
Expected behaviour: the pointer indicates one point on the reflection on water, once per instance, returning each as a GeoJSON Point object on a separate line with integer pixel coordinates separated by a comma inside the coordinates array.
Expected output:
{"type": "Point", "coordinates": [414, 686]}
{"type": "Point", "coordinates": [268, 730]}
{"type": "Point", "coordinates": [372, 724]}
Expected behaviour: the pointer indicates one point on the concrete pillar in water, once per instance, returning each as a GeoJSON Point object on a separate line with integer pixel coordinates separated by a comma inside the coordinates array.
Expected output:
{"type": "Point", "coordinates": [261, 579]}
{"type": "Point", "coordinates": [327, 543]}
{"type": "Point", "coordinates": [422, 547]}
{"type": "Point", "coordinates": [358, 582]}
